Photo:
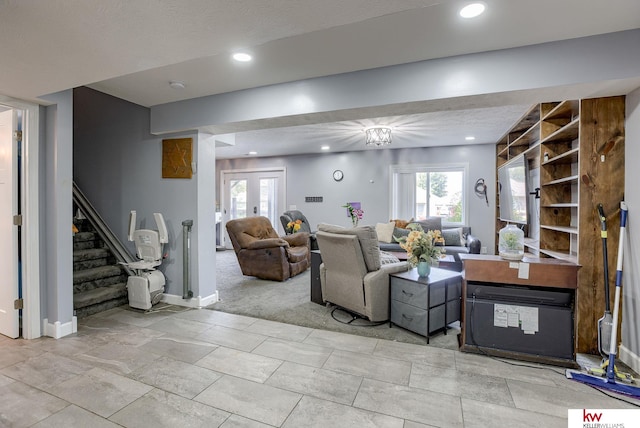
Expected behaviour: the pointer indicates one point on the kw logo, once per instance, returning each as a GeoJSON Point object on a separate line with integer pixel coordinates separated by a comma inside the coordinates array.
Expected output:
{"type": "Point", "coordinates": [590, 417]}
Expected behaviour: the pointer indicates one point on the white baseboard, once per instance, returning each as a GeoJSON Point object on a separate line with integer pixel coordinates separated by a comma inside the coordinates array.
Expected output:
{"type": "Point", "coordinates": [58, 329]}
{"type": "Point", "coordinates": [629, 358]}
{"type": "Point", "coordinates": [194, 302]}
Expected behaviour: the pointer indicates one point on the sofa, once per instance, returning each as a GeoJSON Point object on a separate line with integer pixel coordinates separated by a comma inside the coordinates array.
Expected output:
{"type": "Point", "coordinates": [458, 239]}
{"type": "Point", "coordinates": [264, 254]}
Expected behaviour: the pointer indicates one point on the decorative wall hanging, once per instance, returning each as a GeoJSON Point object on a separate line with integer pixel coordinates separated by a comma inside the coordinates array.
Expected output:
{"type": "Point", "coordinates": [177, 155]}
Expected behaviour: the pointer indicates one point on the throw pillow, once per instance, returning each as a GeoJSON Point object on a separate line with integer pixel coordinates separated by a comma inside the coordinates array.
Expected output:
{"type": "Point", "coordinates": [385, 232]}
{"type": "Point", "coordinates": [453, 237]}
{"type": "Point", "coordinates": [368, 242]}
{"type": "Point", "coordinates": [399, 233]}
{"type": "Point", "coordinates": [387, 258]}
{"type": "Point", "coordinates": [430, 223]}
{"type": "Point", "coordinates": [402, 224]}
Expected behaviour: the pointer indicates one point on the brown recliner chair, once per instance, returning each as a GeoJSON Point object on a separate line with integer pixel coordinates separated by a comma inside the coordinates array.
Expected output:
{"type": "Point", "coordinates": [264, 254]}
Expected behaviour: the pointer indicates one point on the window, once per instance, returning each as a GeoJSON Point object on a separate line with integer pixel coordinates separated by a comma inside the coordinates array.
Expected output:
{"type": "Point", "coordinates": [422, 191]}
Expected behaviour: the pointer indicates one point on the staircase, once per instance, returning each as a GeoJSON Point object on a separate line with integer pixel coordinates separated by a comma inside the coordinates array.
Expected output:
{"type": "Point", "coordinates": [99, 282]}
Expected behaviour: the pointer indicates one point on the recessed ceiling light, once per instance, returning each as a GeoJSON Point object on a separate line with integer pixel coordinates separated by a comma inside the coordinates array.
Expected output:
{"type": "Point", "coordinates": [470, 138]}
{"type": "Point", "coordinates": [472, 10]}
{"type": "Point", "coordinates": [252, 153]}
{"type": "Point", "coordinates": [176, 85]}
{"type": "Point", "coordinates": [242, 57]}
{"type": "Point", "coordinates": [325, 148]}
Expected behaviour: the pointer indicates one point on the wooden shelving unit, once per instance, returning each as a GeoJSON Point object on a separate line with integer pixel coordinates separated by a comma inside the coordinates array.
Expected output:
{"type": "Point", "coordinates": [578, 146]}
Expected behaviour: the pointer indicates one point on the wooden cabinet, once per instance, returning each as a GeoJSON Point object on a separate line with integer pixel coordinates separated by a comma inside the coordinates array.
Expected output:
{"type": "Point", "coordinates": [579, 159]}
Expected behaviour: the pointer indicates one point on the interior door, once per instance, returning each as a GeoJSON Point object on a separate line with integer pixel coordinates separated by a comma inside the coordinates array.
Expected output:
{"type": "Point", "coordinates": [253, 193]}
{"type": "Point", "coordinates": [9, 319]}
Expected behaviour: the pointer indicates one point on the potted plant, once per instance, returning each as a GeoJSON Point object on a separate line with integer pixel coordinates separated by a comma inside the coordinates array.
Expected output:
{"type": "Point", "coordinates": [421, 247]}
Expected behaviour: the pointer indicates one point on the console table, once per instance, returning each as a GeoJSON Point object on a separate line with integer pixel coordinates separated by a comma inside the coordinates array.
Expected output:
{"type": "Point", "coordinates": [424, 305]}
{"type": "Point", "coordinates": [522, 310]}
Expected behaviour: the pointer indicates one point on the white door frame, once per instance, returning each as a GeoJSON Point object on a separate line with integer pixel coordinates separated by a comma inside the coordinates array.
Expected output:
{"type": "Point", "coordinates": [30, 230]}
{"type": "Point", "coordinates": [223, 207]}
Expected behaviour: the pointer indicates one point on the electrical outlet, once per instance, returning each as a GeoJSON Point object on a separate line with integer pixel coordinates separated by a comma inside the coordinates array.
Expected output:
{"type": "Point", "coordinates": [483, 250]}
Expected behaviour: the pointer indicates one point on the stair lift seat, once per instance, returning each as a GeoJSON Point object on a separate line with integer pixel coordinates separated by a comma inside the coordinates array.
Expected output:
{"type": "Point", "coordinates": [145, 288]}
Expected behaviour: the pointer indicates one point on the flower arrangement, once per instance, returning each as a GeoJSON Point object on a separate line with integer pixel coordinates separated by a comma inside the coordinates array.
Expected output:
{"type": "Point", "coordinates": [420, 245]}
{"type": "Point", "coordinates": [294, 225]}
{"type": "Point", "coordinates": [355, 213]}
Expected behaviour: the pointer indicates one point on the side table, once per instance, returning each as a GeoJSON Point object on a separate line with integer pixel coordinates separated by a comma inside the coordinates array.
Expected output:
{"type": "Point", "coordinates": [424, 305]}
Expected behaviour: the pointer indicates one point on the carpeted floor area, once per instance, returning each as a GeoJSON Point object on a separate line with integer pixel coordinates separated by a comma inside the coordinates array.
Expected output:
{"type": "Point", "coordinates": [289, 302]}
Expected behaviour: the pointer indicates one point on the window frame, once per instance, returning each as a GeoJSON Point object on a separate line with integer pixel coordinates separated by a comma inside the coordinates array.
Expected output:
{"type": "Point", "coordinates": [394, 170]}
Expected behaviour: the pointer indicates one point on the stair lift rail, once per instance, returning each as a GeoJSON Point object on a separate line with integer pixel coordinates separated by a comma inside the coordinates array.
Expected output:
{"type": "Point", "coordinates": [120, 252]}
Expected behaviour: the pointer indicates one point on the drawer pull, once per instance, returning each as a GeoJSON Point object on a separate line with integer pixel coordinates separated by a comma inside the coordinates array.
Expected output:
{"type": "Point", "coordinates": [407, 318]}
{"type": "Point", "coordinates": [407, 294]}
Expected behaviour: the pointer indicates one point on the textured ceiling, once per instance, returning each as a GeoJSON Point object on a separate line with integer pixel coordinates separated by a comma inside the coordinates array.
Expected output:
{"type": "Point", "coordinates": [133, 48]}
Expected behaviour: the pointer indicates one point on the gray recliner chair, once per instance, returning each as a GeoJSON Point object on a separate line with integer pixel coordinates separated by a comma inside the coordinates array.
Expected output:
{"type": "Point", "coordinates": [352, 274]}
{"type": "Point", "coordinates": [294, 215]}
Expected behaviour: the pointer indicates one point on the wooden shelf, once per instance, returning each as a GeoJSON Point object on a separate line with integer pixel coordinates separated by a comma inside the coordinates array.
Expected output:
{"type": "Point", "coordinates": [571, 135]}
{"type": "Point", "coordinates": [532, 243]}
{"type": "Point", "coordinates": [562, 205]}
{"type": "Point", "coordinates": [573, 258]}
{"type": "Point", "coordinates": [568, 132]}
{"type": "Point", "coordinates": [567, 157]}
{"type": "Point", "coordinates": [564, 180]}
{"type": "Point", "coordinates": [568, 108]}
{"type": "Point", "coordinates": [564, 229]}
{"type": "Point", "coordinates": [531, 136]}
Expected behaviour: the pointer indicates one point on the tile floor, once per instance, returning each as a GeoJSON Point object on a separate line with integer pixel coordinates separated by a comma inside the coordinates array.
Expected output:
{"type": "Point", "coordinates": [203, 368]}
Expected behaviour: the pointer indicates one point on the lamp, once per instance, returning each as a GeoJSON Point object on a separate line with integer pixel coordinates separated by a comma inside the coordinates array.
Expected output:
{"type": "Point", "coordinates": [378, 136]}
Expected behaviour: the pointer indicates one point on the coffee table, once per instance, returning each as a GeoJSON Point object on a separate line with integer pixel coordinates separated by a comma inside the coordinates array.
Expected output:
{"type": "Point", "coordinates": [424, 305]}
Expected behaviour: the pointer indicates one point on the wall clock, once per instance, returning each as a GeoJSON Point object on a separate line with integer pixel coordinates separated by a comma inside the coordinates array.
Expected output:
{"type": "Point", "coordinates": [338, 175]}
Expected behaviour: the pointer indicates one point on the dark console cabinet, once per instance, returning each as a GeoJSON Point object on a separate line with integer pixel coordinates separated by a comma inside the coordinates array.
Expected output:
{"type": "Point", "coordinates": [523, 311]}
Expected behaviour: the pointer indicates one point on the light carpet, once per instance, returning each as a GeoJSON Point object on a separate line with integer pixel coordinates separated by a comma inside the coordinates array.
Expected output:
{"type": "Point", "coordinates": [289, 302]}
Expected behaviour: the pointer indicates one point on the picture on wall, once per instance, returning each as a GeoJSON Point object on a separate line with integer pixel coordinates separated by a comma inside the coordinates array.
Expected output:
{"type": "Point", "coordinates": [177, 155]}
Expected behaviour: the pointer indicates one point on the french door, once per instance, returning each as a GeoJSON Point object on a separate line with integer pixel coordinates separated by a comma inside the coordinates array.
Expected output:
{"type": "Point", "coordinates": [9, 286]}
{"type": "Point", "coordinates": [253, 193]}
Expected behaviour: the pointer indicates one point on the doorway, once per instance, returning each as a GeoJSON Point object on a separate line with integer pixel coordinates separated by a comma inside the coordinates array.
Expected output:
{"type": "Point", "coordinates": [251, 193]}
{"type": "Point", "coordinates": [24, 246]}
{"type": "Point", "coordinates": [10, 136]}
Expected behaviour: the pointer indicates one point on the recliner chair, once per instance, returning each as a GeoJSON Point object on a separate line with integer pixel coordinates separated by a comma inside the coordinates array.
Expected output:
{"type": "Point", "coordinates": [293, 215]}
{"type": "Point", "coordinates": [263, 253]}
{"type": "Point", "coordinates": [352, 274]}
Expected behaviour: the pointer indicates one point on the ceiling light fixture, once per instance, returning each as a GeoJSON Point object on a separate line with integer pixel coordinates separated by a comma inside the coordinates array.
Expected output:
{"type": "Point", "coordinates": [325, 148]}
{"type": "Point", "coordinates": [242, 57]}
{"type": "Point", "coordinates": [472, 10]}
{"type": "Point", "coordinates": [252, 153]}
{"type": "Point", "coordinates": [470, 138]}
{"type": "Point", "coordinates": [176, 85]}
{"type": "Point", "coordinates": [378, 136]}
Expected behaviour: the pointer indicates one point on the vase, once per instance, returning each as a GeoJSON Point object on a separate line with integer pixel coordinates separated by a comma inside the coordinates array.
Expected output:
{"type": "Point", "coordinates": [424, 269]}
{"type": "Point", "coordinates": [511, 242]}
{"type": "Point", "coordinates": [354, 221]}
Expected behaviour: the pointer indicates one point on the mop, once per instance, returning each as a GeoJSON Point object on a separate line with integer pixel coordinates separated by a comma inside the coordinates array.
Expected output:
{"type": "Point", "coordinates": [605, 323]}
{"type": "Point", "coordinates": [609, 382]}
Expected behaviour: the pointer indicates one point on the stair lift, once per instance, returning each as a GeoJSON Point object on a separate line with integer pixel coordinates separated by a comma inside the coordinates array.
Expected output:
{"type": "Point", "coordinates": [145, 288]}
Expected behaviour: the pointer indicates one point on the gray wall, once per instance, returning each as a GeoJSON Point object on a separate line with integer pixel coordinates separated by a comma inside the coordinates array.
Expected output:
{"type": "Point", "coordinates": [437, 84]}
{"type": "Point", "coordinates": [118, 165]}
{"type": "Point", "coordinates": [630, 353]}
{"type": "Point", "coordinates": [311, 175]}
{"type": "Point", "coordinates": [58, 175]}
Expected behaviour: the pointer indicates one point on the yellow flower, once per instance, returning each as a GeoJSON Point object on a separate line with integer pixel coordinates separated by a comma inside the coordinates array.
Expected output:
{"type": "Point", "coordinates": [294, 226]}
{"type": "Point", "coordinates": [421, 245]}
